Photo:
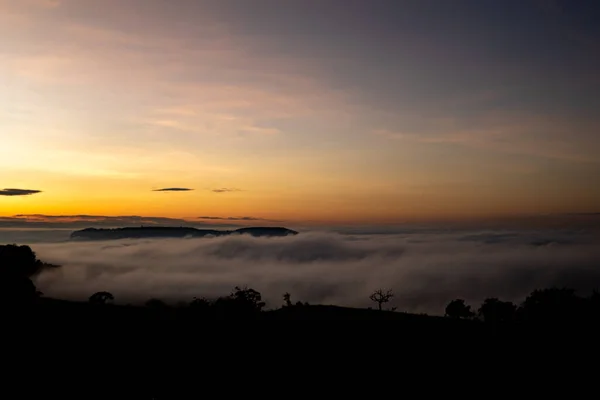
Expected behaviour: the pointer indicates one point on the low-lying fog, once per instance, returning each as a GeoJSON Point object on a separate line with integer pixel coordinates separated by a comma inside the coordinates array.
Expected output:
{"type": "Point", "coordinates": [425, 270]}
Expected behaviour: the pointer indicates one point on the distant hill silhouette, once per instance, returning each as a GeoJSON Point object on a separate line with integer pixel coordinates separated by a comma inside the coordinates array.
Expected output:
{"type": "Point", "coordinates": [174, 232]}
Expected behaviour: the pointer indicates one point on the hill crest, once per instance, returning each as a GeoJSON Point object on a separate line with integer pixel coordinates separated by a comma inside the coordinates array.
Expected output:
{"type": "Point", "coordinates": [174, 232]}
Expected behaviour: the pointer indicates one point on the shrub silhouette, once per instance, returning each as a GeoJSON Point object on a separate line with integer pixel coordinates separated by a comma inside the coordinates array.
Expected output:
{"type": "Point", "coordinates": [101, 298]}
{"type": "Point", "coordinates": [496, 311]}
{"type": "Point", "coordinates": [458, 309]}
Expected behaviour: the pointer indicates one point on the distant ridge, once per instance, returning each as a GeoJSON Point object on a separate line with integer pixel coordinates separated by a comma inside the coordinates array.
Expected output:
{"type": "Point", "coordinates": [174, 232]}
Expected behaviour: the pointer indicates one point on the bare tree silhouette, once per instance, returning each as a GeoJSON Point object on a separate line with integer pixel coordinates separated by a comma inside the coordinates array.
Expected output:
{"type": "Point", "coordinates": [380, 297]}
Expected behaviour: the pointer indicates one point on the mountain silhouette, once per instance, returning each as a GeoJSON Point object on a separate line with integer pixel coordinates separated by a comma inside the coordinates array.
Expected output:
{"type": "Point", "coordinates": [174, 232]}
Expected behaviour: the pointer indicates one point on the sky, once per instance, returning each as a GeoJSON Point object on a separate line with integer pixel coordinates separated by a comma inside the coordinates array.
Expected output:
{"type": "Point", "coordinates": [328, 111]}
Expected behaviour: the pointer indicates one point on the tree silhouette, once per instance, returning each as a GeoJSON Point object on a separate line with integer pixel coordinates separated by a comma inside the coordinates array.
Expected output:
{"type": "Point", "coordinates": [496, 311]}
{"type": "Point", "coordinates": [380, 297]}
{"type": "Point", "coordinates": [287, 298]}
{"type": "Point", "coordinates": [249, 297]}
{"type": "Point", "coordinates": [18, 264]}
{"type": "Point", "coordinates": [458, 309]}
{"type": "Point", "coordinates": [241, 302]}
{"type": "Point", "coordinates": [552, 304]}
{"type": "Point", "coordinates": [101, 298]}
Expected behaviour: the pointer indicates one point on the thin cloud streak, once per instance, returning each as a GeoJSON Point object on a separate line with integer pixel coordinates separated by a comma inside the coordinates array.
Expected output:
{"type": "Point", "coordinates": [18, 192]}
{"type": "Point", "coordinates": [226, 190]}
{"type": "Point", "coordinates": [174, 189]}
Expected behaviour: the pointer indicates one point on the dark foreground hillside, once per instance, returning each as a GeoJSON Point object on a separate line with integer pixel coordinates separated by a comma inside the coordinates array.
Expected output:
{"type": "Point", "coordinates": [118, 351]}
{"type": "Point", "coordinates": [163, 350]}
{"type": "Point", "coordinates": [190, 319]}
{"type": "Point", "coordinates": [62, 312]}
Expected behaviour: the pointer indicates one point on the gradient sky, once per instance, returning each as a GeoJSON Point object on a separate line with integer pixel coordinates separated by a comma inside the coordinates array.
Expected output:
{"type": "Point", "coordinates": [314, 110]}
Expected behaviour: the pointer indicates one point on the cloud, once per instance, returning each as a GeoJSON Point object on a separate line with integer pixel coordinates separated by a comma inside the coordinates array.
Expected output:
{"type": "Point", "coordinates": [85, 221]}
{"type": "Point", "coordinates": [518, 133]}
{"type": "Point", "coordinates": [233, 218]}
{"type": "Point", "coordinates": [425, 270]}
{"type": "Point", "coordinates": [18, 192]}
{"type": "Point", "coordinates": [226, 190]}
{"type": "Point", "coordinates": [173, 190]}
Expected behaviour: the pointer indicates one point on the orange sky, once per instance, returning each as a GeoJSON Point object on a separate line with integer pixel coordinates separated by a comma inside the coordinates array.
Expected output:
{"type": "Point", "coordinates": [101, 106]}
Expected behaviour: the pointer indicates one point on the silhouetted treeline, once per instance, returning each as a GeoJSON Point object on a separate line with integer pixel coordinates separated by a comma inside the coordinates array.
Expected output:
{"type": "Point", "coordinates": [543, 307]}
{"type": "Point", "coordinates": [559, 307]}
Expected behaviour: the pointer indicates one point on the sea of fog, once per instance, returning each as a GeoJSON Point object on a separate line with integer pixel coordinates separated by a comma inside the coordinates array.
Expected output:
{"type": "Point", "coordinates": [425, 269]}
